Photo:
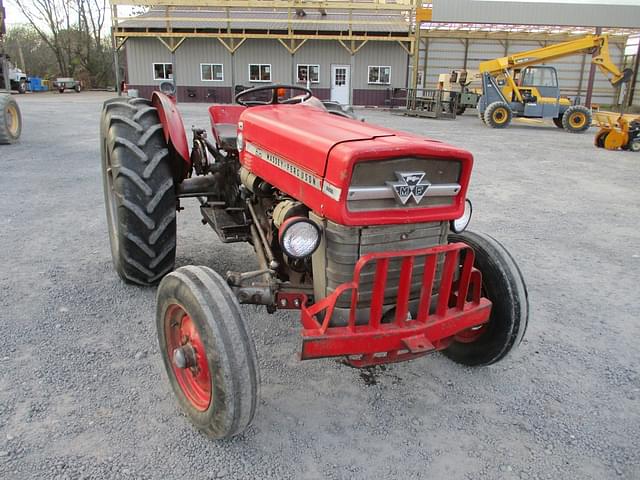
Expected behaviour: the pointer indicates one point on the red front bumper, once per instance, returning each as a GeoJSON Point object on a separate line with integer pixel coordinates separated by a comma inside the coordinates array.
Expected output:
{"type": "Point", "coordinates": [460, 307]}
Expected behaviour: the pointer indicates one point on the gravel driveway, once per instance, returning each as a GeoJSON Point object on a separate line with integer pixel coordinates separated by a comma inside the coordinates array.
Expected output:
{"type": "Point", "coordinates": [83, 393]}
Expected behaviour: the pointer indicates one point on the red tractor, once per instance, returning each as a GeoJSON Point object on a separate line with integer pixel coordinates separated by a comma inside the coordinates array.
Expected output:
{"type": "Point", "coordinates": [360, 228]}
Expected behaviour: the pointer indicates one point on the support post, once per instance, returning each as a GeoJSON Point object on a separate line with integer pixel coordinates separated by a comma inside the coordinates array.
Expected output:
{"type": "Point", "coordinates": [116, 60]}
{"type": "Point", "coordinates": [592, 76]}
{"type": "Point", "coordinates": [466, 53]}
{"type": "Point", "coordinates": [634, 78]}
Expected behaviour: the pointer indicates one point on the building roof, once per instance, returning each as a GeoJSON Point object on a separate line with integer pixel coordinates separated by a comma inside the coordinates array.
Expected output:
{"type": "Point", "coordinates": [203, 18]}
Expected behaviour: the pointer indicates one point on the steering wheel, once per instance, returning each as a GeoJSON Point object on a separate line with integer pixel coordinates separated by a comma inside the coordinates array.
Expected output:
{"type": "Point", "coordinates": [274, 95]}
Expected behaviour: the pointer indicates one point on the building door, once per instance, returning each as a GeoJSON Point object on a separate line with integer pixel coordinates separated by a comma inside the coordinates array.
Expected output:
{"type": "Point", "coordinates": [340, 83]}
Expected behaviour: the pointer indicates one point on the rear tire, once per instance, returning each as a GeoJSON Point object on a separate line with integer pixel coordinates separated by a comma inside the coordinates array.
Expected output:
{"type": "Point", "coordinates": [22, 87]}
{"type": "Point", "coordinates": [634, 145]}
{"type": "Point", "coordinates": [558, 122]}
{"type": "Point", "coordinates": [576, 119]}
{"type": "Point", "coordinates": [497, 115]}
{"type": "Point", "coordinates": [198, 315]}
{"type": "Point", "coordinates": [139, 191]}
{"type": "Point", "coordinates": [10, 120]}
{"type": "Point", "coordinates": [502, 283]}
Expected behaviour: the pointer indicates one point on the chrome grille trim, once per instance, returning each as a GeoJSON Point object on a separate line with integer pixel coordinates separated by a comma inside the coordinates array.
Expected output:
{"type": "Point", "coordinates": [383, 192]}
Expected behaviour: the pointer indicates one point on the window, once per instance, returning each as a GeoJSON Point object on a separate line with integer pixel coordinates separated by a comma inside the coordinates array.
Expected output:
{"type": "Point", "coordinates": [539, 77]}
{"type": "Point", "coordinates": [380, 75]}
{"type": "Point", "coordinates": [308, 72]}
{"type": "Point", "coordinates": [211, 72]}
{"type": "Point", "coordinates": [259, 72]}
{"type": "Point", "coordinates": [162, 71]}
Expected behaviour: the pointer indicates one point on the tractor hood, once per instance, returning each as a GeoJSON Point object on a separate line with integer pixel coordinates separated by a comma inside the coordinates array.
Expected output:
{"type": "Point", "coordinates": [346, 170]}
{"type": "Point", "coordinates": [303, 134]}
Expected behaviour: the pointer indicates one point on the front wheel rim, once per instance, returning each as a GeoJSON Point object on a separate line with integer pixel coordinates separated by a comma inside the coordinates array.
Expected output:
{"type": "Point", "coordinates": [578, 120]}
{"type": "Point", "coordinates": [187, 354]}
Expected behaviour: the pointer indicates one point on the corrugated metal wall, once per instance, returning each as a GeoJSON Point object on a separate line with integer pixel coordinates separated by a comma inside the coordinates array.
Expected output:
{"type": "Point", "coordinates": [323, 53]}
{"type": "Point", "coordinates": [445, 54]}
{"type": "Point", "coordinates": [605, 13]}
{"type": "Point", "coordinates": [142, 53]}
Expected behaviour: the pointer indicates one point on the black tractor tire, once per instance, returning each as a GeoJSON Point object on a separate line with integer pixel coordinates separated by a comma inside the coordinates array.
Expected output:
{"type": "Point", "coordinates": [139, 191]}
{"type": "Point", "coordinates": [504, 286]}
{"type": "Point", "coordinates": [498, 115]}
{"type": "Point", "coordinates": [558, 122]}
{"type": "Point", "coordinates": [22, 87]}
{"type": "Point", "coordinates": [195, 298]}
{"type": "Point", "coordinates": [10, 120]}
{"type": "Point", "coordinates": [576, 119]}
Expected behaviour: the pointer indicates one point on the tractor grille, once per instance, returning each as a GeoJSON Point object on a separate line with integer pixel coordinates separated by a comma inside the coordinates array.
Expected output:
{"type": "Point", "coordinates": [335, 260]}
{"type": "Point", "coordinates": [369, 189]}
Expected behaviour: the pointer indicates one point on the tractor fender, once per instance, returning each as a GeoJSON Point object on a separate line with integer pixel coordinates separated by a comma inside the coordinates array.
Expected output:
{"type": "Point", "coordinates": [174, 133]}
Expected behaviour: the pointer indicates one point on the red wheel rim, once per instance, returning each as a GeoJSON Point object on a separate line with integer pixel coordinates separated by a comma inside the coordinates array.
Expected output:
{"type": "Point", "coordinates": [183, 336]}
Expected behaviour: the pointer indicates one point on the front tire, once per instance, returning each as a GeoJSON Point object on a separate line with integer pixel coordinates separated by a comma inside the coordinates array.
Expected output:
{"type": "Point", "coordinates": [10, 120]}
{"type": "Point", "coordinates": [502, 283]}
{"type": "Point", "coordinates": [498, 115]}
{"type": "Point", "coordinates": [576, 119]}
{"type": "Point", "coordinates": [139, 191]}
{"type": "Point", "coordinates": [207, 351]}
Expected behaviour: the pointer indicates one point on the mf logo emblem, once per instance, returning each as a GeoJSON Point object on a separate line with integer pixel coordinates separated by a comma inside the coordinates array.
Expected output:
{"type": "Point", "coordinates": [410, 184]}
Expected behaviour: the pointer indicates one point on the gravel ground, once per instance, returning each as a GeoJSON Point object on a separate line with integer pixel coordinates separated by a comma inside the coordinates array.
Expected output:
{"type": "Point", "coordinates": [83, 393]}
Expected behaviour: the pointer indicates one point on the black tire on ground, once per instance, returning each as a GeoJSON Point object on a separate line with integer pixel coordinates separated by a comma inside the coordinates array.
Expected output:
{"type": "Point", "coordinates": [460, 110]}
{"type": "Point", "coordinates": [497, 115]}
{"type": "Point", "coordinates": [600, 138]}
{"type": "Point", "coordinates": [502, 283]}
{"type": "Point", "coordinates": [139, 190]}
{"type": "Point", "coordinates": [558, 122]}
{"type": "Point", "coordinates": [10, 120]}
{"type": "Point", "coordinates": [77, 88]}
{"type": "Point", "coordinates": [634, 145]}
{"type": "Point", "coordinates": [22, 87]}
{"type": "Point", "coordinates": [576, 119]}
{"type": "Point", "coordinates": [61, 89]}
{"type": "Point", "coordinates": [201, 297]}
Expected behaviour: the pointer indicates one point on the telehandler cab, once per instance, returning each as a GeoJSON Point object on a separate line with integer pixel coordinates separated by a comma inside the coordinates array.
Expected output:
{"type": "Point", "coordinates": [360, 228]}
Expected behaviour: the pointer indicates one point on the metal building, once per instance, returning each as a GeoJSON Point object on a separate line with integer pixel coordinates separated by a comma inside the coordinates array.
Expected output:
{"type": "Point", "coordinates": [350, 56]}
{"type": "Point", "coordinates": [359, 52]}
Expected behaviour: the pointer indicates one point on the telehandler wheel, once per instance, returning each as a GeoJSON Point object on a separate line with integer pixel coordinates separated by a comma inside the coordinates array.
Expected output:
{"type": "Point", "coordinates": [497, 115]}
{"type": "Point", "coordinates": [558, 122]}
{"type": "Point", "coordinates": [503, 284]}
{"type": "Point", "coordinates": [10, 120]}
{"type": "Point", "coordinates": [207, 351]}
{"type": "Point", "coordinates": [634, 145]}
{"type": "Point", "coordinates": [576, 119]}
{"type": "Point", "coordinates": [139, 190]}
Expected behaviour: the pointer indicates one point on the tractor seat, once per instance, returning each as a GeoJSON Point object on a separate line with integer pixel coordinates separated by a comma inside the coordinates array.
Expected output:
{"type": "Point", "coordinates": [227, 134]}
{"type": "Point", "coordinates": [224, 124]}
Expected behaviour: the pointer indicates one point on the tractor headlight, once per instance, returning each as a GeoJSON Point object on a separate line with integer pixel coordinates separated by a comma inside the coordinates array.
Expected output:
{"type": "Point", "coordinates": [240, 141]}
{"type": "Point", "coordinates": [459, 225]}
{"type": "Point", "coordinates": [299, 237]}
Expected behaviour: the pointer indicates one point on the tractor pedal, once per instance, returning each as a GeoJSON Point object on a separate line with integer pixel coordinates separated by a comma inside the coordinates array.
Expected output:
{"type": "Point", "coordinates": [227, 228]}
